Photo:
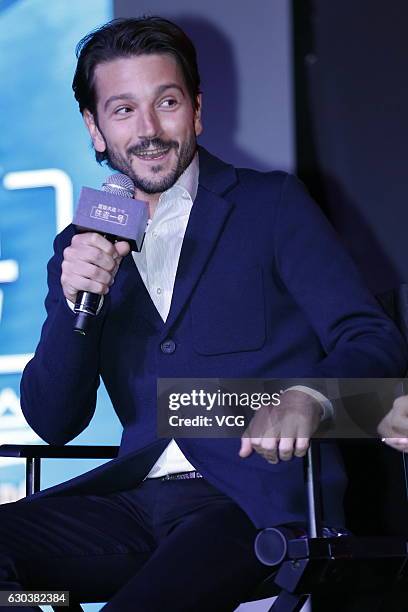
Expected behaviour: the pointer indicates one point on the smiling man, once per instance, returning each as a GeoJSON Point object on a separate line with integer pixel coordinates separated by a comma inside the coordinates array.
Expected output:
{"type": "Point", "coordinates": [149, 130]}
{"type": "Point", "coordinates": [240, 275]}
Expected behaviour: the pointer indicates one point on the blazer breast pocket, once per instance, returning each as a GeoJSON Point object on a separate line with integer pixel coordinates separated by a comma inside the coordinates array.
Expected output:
{"type": "Point", "coordinates": [228, 312]}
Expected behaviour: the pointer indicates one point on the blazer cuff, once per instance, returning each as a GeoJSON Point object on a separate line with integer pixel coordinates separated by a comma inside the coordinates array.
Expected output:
{"type": "Point", "coordinates": [325, 403]}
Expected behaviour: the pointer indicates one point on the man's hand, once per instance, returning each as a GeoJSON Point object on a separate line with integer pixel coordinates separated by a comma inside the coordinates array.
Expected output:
{"type": "Point", "coordinates": [90, 264]}
{"type": "Point", "coordinates": [284, 431]}
{"type": "Point", "coordinates": [393, 429]}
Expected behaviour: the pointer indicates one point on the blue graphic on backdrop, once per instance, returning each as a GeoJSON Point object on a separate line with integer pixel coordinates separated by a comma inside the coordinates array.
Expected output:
{"type": "Point", "coordinates": [45, 158]}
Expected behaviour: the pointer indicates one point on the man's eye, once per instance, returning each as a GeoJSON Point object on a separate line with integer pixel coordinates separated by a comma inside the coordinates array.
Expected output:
{"type": "Point", "coordinates": [168, 103]}
{"type": "Point", "coordinates": [123, 110]}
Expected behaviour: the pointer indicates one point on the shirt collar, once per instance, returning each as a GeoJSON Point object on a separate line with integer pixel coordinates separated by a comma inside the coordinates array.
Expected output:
{"type": "Point", "coordinates": [189, 179]}
{"type": "Point", "coordinates": [187, 182]}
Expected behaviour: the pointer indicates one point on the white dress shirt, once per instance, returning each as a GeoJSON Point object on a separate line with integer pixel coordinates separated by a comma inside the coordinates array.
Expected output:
{"type": "Point", "coordinates": [157, 264]}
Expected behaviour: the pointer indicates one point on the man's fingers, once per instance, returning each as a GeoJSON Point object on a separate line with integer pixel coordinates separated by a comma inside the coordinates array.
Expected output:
{"type": "Point", "coordinates": [286, 448]}
{"type": "Point", "coordinates": [301, 447]}
{"type": "Point", "coordinates": [91, 255]}
{"type": "Point", "coordinates": [87, 271]}
{"type": "Point", "coordinates": [268, 448]}
{"type": "Point", "coordinates": [388, 429]}
{"type": "Point", "coordinates": [401, 405]}
{"type": "Point", "coordinates": [400, 444]}
{"type": "Point", "coordinates": [93, 239]}
{"type": "Point", "coordinates": [90, 264]}
{"type": "Point", "coordinates": [280, 433]}
{"type": "Point", "coordinates": [275, 449]}
{"type": "Point", "coordinates": [254, 441]}
{"type": "Point", "coordinates": [395, 424]}
{"type": "Point", "coordinates": [82, 284]}
{"type": "Point", "coordinates": [382, 429]}
{"type": "Point", "coordinates": [246, 447]}
{"type": "Point", "coordinates": [400, 424]}
{"type": "Point", "coordinates": [122, 248]}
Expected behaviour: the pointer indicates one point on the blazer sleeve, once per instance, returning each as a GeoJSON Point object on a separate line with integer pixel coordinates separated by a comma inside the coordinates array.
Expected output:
{"type": "Point", "coordinates": [59, 384]}
{"type": "Point", "coordinates": [357, 336]}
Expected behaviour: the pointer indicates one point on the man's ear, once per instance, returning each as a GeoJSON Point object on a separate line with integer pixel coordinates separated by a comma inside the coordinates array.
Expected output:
{"type": "Point", "coordinates": [198, 126]}
{"type": "Point", "coordinates": [97, 138]}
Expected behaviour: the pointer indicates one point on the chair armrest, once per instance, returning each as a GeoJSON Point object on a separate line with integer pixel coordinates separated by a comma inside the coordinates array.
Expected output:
{"type": "Point", "coordinates": [45, 451]}
{"type": "Point", "coordinates": [33, 453]}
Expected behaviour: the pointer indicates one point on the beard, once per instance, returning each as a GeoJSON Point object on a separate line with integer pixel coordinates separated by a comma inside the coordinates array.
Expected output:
{"type": "Point", "coordinates": [123, 163]}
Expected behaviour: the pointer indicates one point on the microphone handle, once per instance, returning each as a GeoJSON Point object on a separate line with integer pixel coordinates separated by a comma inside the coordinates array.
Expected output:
{"type": "Point", "coordinates": [87, 303]}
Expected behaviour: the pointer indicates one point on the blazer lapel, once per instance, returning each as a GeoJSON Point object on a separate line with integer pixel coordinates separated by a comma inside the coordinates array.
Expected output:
{"type": "Point", "coordinates": [207, 218]}
{"type": "Point", "coordinates": [136, 293]}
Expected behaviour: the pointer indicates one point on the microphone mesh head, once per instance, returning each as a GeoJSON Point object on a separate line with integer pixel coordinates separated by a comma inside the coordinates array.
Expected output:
{"type": "Point", "coordinates": [119, 184]}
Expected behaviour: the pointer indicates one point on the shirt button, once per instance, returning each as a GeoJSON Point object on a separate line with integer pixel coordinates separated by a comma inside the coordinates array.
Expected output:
{"type": "Point", "coordinates": [168, 346]}
{"type": "Point", "coordinates": [155, 234]}
{"type": "Point", "coordinates": [158, 290]}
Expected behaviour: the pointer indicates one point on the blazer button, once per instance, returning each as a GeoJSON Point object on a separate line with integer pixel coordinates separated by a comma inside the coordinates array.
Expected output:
{"type": "Point", "coordinates": [168, 346]}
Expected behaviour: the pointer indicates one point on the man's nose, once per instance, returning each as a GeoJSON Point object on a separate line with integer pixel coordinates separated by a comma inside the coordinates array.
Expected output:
{"type": "Point", "coordinates": [148, 124]}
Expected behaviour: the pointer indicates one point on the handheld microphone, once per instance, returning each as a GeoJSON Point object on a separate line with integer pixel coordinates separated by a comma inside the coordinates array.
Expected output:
{"type": "Point", "coordinates": [114, 213]}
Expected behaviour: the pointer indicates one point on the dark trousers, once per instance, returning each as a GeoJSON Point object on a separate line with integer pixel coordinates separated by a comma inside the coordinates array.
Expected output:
{"type": "Point", "coordinates": [174, 545]}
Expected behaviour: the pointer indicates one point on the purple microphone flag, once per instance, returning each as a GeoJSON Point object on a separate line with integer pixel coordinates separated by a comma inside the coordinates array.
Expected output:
{"type": "Point", "coordinates": [108, 213]}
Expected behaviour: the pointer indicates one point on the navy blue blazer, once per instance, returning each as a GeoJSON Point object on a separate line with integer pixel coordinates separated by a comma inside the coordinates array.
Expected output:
{"type": "Point", "coordinates": [263, 289]}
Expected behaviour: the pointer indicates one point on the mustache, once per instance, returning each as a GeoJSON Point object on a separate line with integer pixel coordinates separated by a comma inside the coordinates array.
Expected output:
{"type": "Point", "coordinates": [151, 143]}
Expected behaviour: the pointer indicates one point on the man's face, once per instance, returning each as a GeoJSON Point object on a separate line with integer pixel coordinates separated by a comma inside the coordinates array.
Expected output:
{"type": "Point", "coordinates": [145, 120]}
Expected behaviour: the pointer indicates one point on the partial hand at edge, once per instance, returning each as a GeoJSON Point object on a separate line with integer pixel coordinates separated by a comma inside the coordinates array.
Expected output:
{"type": "Point", "coordinates": [393, 428]}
